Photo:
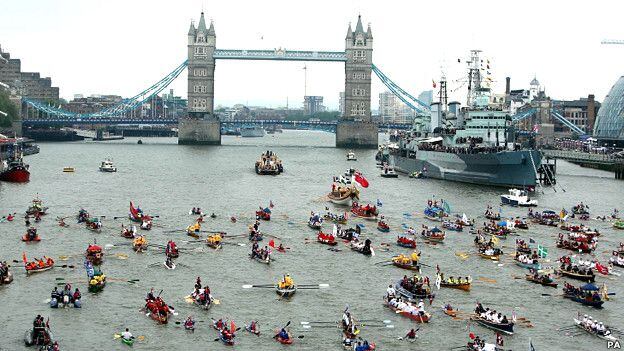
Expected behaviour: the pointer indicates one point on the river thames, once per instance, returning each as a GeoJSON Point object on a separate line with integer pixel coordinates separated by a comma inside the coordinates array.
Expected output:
{"type": "Point", "coordinates": [167, 180]}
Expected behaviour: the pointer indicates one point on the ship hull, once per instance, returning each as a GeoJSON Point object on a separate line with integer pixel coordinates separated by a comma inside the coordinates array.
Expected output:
{"type": "Point", "coordinates": [504, 169]}
{"type": "Point", "coordinates": [15, 175]}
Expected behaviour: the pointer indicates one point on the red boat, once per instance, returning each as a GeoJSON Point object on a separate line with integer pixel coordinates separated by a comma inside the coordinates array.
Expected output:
{"type": "Point", "coordinates": [383, 226]}
{"type": "Point", "coordinates": [158, 311]}
{"type": "Point", "coordinates": [326, 239]}
{"type": "Point", "coordinates": [137, 215]}
{"type": "Point", "coordinates": [406, 242]}
{"type": "Point", "coordinates": [264, 215]}
{"type": "Point", "coordinates": [15, 171]}
{"type": "Point", "coordinates": [366, 212]}
{"type": "Point", "coordinates": [94, 254]}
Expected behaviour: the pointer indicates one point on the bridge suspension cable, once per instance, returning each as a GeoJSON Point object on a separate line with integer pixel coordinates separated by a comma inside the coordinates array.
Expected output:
{"type": "Point", "coordinates": [403, 95]}
{"type": "Point", "coordinates": [556, 115]}
{"type": "Point", "coordinates": [120, 108]}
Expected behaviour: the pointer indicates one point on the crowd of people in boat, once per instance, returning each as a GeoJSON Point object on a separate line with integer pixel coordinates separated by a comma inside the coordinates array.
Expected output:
{"type": "Point", "coordinates": [226, 334]}
{"type": "Point", "coordinates": [41, 334]}
{"type": "Point", "coordinates": [39, 263]}
{"type": "Point", "coordinates": [490, 315]}
{"type": "Point", "coordinates": [472, 148]}
{"type": "Point", "coordinates": [405, 306]}
{"type": "Point", "coordinates": [593, 326]}
{"type": "Point", "coordinates": [200, 294]}
{"type": "Point", "coordinates": [65, 297]}
{"type": "Point", "coordinates": [364, 211]}
{"type": "Point", "coordinates": [269, 162]}
{"type": "Point", "coordinates": [487, 248]}
{"type": "Point", "coordinates": [454, 281]}
{"type": "Point", "coordinates": [571, 290]}
{"type": "Point", "coordinates": [527, 259]}
{"type": "Point", "coordinates": [545, 278]}
{"type": "Point", "coordinates": [571, 243]}
{"type": "Point", "coordinates": [490, 214]}
{"type": "Point", "coordinates": [156, 305]}
{"type": "Point", "coordinates": [416, 285]}
{"type": "Point", "coordinates": [568, 266]}
{"type": "Point", "coordinates": [263, 254]}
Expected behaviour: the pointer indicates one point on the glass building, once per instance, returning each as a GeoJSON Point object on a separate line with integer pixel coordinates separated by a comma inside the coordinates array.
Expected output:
{"type": "Point", "coordinates": [610, 121]}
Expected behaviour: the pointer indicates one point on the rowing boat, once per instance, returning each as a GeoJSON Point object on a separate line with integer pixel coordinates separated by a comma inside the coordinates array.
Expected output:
{"type": "Point", "coordinates": [417, 317]}
{"type": "Point", "coordinates": [460, 286]}
{"type": "Point", "coordinates": [266, 260]}
{"type": "Point", "coordinates": [530, 278]}
{"type": "Point", "coordinates": [286, 292]}
{"type": "Point", "coordinates": [592, 332]}
{"type": "Point", "coordinates": [535, 266]}
{"type": "Point", "coordinates": [326, 239]}
{"type": "Point", "coordinates": [582, 277]}
{"type": "Point", "coordinates": [506, 328]}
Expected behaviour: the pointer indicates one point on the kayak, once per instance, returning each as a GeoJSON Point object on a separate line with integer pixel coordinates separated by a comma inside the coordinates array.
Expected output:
{"type": "Point", "coordinates": [284, 341]}
{"type": "Point", "coordinates": [27, 239]}
{"type": "Point", "coordinates": [256, 333]}
{"type": "Point", "coordinates": [229, 342]}
{"type": "Point", "coordinates": [173, 265]}
{"type": "Point", "coordinates": [128, 342]}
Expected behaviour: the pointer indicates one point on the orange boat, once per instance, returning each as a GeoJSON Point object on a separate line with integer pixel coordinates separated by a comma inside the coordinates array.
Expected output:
{"type": "Point", "coordinates": [27, 237]}
{"type": "Point", "coordinates": [39, 265]}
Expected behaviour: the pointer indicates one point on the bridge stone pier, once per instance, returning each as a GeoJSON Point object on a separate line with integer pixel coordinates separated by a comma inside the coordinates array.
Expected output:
{"type": "Point", "coordinates": [354, 130]}
{"type": "Point", "coordinates": [201, 126]}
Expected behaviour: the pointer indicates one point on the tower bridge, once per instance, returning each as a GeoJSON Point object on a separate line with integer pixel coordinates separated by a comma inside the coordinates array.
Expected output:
{"type": "Point", "coordinates": [354, 129]}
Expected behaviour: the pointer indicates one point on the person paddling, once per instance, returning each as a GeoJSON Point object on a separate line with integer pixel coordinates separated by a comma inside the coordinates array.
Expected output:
{"type": "Point", "coordinates": [283, 335]}
{"type": "Point", "coordinates": [126, 335]}
{"type": "Point", "coordinates": [411, 335]}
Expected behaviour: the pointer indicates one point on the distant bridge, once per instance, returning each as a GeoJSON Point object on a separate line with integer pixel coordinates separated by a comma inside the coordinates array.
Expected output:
{"type": "Point", "coordinates": [606, 162]}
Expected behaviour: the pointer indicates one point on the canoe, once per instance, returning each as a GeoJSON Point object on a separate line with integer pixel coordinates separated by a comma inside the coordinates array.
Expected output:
{"type": "Point", "coordinates": [462, 286]}
{"type": "Point", "coordinates": [229, 342]}
{"type": "Point", "coordinates": [285, 341]}
{"type": "Point", "coordinates": [248, 328]}
{"type": "Point", "coordinates": [577, 276]}
{"type": "Point", "coordinates": [128, 342]}
{"type": "Point", "coordinates": [506, 328]}
{"type": "Point", "coordinates": [601, 336]}
{"type": "Point", "coordinates": [451, 313]}
{"type": "Point", "coordinates": [26, 239]}
{"type": "Point", "coordinates": [530, 278]}
{"type": "Point", "coordinates": [411, 245]}
{"type": "Point", "coordinates": [491, 257]}
{"type": "Point", "coordinates": [326, 239]}
{"type": "Point", "coordinates": [415, 317]}
{"type": "Point", "coordinates": [286, 292]}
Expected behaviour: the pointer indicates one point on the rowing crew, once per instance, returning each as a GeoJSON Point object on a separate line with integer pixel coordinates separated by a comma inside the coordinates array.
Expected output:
{"type": "Point", "coordinates": [526, 258]}
{"type": "Point", "coordinates": [455, 281]}
{"type": "Point", "coordinates": [408, 307]}
{"type": "Point", "coordinates": [594, 326]}
{"type": "Point", "coordinates": [490, 315]}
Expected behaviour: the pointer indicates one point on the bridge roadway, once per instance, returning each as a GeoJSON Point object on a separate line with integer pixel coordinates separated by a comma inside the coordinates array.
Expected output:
{"type": "Point", "coordinates": [119, 121]}
{"type": "Point", "coordinates": [600, 161]}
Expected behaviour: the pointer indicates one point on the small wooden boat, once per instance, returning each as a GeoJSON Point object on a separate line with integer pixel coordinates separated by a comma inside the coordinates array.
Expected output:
{"type": "Point", "coordinates": [69, 169]}
{"type": "Point", "coordinates": [494, 257]}
{"type": "Point", "coordinates": [450, 312]}
{"type": "Point", "coordinates": [344, 195]}
{"type": "Point", "coordinates": [594, 333]}
{"type": "Point", "coordinates": [506, 328]}
{"type": "Point", "coordinates": [286, 292]}
{"type": "Point", "coordinates": [38, 269]}
{"type": "Point", "coordinates": [590, 278]}
{"type": "Point", "coordinates": [366, 212]}
{"type": "Point", "coordinates": [530, 278]}
{"type": "Point", "coordinates": [461, 286]}
{"type": "Point", "coordinates": [587, 301]}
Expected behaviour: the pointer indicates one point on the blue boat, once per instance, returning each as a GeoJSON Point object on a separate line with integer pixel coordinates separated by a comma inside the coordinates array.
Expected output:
{"type": "Point", "coordinates": [535, 266]}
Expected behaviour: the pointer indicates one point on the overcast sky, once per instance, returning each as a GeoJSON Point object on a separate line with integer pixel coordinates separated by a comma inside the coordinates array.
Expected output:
{"type": "Point", "coordinates": [121, 47]}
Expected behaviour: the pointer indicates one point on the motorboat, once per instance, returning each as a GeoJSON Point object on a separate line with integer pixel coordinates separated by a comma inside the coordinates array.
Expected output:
{"type": "Point", "coordinates": [351, 156]}
{"type": "Point", "coordinates": [107, 166]}
{"type": "Point", "coordinates": [517, 197]}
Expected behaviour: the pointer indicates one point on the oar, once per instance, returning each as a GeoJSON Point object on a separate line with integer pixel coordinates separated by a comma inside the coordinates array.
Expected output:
{"type": "Point", "coordinates": [385, 321]}
{"type": "Point", "coordinates": [318, 322]}
{"type": "Point", "coordinates": [249, 286]}
{"type": "Point", "coordinates": [322, 285]}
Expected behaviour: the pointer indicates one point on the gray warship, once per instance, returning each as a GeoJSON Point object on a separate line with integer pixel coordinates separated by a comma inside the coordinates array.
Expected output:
{"type": "Point", "coordinates": [472, 144]}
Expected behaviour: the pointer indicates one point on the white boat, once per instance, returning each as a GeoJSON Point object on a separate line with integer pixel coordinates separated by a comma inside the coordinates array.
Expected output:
{"type": "Point", "coordinates": [389, 172]}
{"type": "Point", "coordinates": [605, 337]}
{"type": "Point", "coordinates": [107, 166]}
{"type": "Point", "coordinates": [252, 131]}
{"type": "Point", "coordinates": [351, 156]}
{"type": "Point", "coordinates": [517, 197]}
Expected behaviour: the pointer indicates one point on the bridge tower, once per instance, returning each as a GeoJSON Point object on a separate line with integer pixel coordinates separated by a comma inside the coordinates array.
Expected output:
{"type": "Point", "coordinates": [201, 126]}
{"type": "Point", "coordinates": [355, 129]}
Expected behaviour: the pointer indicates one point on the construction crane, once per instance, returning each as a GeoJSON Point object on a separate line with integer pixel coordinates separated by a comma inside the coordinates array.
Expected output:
{"type": "Point", "coordinates": [612, 42]}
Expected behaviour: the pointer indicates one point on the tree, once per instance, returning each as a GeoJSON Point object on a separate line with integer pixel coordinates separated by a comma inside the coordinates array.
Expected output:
{"type": "Point", "coordinates": [7, 106]}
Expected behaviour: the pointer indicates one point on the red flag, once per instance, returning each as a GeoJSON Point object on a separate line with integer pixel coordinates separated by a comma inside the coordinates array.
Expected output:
{"type": "Point", "coordinates": [361, 180]}
{"type": "Point", "coordinates": [232, 327]}
{"type": "Point", "coordinates": [272, 243]}
{"type": "Point", "coordinates": [434, 83]}
{"type": "Point", "coordinates": [471, 336]}
{"type": "Point", "coordinates": [24, 257]}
